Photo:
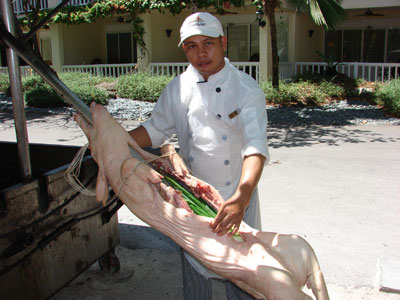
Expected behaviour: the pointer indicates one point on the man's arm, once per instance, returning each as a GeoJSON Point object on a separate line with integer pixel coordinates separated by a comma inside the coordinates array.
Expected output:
{"type": "Point", "coordinates": [141, 136]}
{"type": "Point", "coordinates": [231, 213]}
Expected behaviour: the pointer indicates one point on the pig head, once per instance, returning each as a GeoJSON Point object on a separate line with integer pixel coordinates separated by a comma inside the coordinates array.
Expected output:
{"type": "Point", "coordinates": [267, 265]}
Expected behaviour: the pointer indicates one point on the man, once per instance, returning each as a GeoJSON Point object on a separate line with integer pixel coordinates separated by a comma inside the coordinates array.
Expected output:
{"type": "Point", "coordinates": [219, 115]}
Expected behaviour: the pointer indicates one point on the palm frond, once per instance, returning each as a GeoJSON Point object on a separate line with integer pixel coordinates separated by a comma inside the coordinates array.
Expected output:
{"type": "Point", "coordinates": [328, 13]}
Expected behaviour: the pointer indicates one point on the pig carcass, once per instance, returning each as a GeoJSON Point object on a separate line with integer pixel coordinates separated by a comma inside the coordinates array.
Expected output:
{"type": "Point", "coordinates": [268, 265]}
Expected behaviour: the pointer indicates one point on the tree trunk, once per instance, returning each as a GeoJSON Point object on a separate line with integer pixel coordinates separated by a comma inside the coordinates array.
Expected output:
{"type": "Point", "coordinates": [269, 7]}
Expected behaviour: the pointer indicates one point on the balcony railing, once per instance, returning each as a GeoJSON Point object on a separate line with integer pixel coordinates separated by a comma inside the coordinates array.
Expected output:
{"type": "Point", "coordinates": [109, 70]}
{"type": "Point", "coordinates": [368, 71]}
{"type": "Point", "coordinates": [44, 4]}
{"type": "Point", "coordinates": [78, 2]}
{"type": "Point", "coordinates": [25, 71]}
{"type": "Point", "coordinates": [20, 9]}
{"type": "Point", "coordinates": [251, 68]}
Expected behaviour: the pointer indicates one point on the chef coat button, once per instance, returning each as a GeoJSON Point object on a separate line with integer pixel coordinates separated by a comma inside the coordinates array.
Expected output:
{"type": "Point", "coordinates": [191, 158]}
{"type": "Point", "coordinates": [219, 116]}
{"type": "Point", "coordinates": [226, 162]}
{"type": "Point", "coordinates": [218, 89]}
{"type": "Point", "coordinates": [228, 183]}
{"type": "Point", "coordinates": [224, 137]}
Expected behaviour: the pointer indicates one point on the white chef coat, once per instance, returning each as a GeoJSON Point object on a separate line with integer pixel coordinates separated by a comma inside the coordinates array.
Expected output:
{"type": "Point", "coordinates": [218, 122]}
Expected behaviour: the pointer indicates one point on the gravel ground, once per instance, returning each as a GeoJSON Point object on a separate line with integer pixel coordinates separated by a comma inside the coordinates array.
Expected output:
{"type": "Point", "coordinates": [336, 113]}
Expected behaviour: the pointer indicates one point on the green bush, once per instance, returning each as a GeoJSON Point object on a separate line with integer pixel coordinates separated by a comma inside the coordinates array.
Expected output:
{"type": "Point", "coordinates": [39, 94]}
{"type": "Point", "coordinates": [89, 94]}
{"type": "Point", "coordinates": [142, 86]}
{"type": "Point", "coordinates": [43, 96]}
{"type": "Point", "coordinates": [388, 95]}
{"type": "Point", "coordinates": [294, 93]}
{"type": "Point", "coordinates": [337, 86]}
{"type": "Point", "coordinates": [332, 90]}
{"type": "Point", "coordinates": [84, 78]}
{"type": "Point", "coordinates": [31, 82]}
{"type": "Point", "coordinates": [4, 83]}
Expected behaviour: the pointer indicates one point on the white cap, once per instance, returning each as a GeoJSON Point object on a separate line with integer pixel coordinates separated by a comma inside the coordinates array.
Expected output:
{"type": "Point", "coordinates": [200, 23]}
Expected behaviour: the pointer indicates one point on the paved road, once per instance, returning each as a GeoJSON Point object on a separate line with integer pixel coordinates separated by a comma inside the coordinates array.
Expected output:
{"type": "Point", "coordinates": [339, 187]}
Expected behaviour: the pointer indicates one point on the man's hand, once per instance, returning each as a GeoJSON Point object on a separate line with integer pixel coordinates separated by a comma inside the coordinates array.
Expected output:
{"type": "Point", "coordinates": [229, 216]}
{"type": "Point", "coordinates": [175, 160]}
{"type": "Point", "coordinates": [231, 213]}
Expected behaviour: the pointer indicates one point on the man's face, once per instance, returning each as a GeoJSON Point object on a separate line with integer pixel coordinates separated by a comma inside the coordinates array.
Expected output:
{"type": "Point", "coordinates": [205, 53]}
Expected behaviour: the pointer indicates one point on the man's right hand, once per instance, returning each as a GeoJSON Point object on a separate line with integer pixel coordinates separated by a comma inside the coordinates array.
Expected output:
{"type": "Point", "coordinates": [175, 160]}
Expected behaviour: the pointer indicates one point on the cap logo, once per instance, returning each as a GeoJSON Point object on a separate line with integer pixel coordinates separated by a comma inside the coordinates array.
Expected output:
{"type": "Point", "coordinates": [197, 22]}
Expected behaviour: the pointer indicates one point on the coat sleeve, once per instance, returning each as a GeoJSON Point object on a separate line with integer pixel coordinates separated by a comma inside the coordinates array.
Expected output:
{"type": "Point", "coordinates": [162, 124]}
{"type": "Point", "coordinates": [253, 122]}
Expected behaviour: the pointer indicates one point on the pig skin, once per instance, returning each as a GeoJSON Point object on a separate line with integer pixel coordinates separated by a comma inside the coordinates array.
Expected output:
{"type": "Point", "coordinates": [267, 265]}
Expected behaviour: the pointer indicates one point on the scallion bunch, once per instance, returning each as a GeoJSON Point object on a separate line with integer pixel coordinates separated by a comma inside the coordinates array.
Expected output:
{"type": "Point", "coordinates": [197, 205]}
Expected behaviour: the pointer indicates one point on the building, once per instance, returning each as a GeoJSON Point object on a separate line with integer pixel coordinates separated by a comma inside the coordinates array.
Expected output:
{"type": "Point", "coordinates": [371, 34]}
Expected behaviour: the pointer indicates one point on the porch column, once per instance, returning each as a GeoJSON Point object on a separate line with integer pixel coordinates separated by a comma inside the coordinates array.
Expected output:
{"type": "Point", "coordinates": [292, 20]}
{"type": "Point", "coordinates": [144, 55]}
{"type": "Point", "coordinates": [57, 46]}
{"type": "Point", "coordinates": [265, 53]}
{"type": "Point", "coordinates": [292, 26]}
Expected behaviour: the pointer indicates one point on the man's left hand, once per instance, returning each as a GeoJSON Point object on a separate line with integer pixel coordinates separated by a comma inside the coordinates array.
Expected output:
{"type": "Point", "coordinates": [229, 217]}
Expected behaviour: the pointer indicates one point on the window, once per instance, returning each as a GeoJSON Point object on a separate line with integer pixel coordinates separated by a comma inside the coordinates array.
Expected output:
{"type": "Point", "coordinates": [3, 59]}
{"type": "Point", "coordinates": [282, 34]}
{"type": "Point", "coordinates": [351, 45]}
{"type": "Point", "coordinates": [374, 45]}
{"type": "Point", "coordinates": [333, 45]}
{"type": "Point", "coordinates": [238, 43]}
{"type": "Point", "coordinates": [254, 42]}
{"type": "Point", "coordinates": [363, 45]}
{"type": "Point", "coordinates": [45, 50]}
{"type": "Point", "coordinates": [244, 41]}
{"type": "Point", "coordinates": [121, 48]}
{"type": "Point", "coordinates": [393, 46]}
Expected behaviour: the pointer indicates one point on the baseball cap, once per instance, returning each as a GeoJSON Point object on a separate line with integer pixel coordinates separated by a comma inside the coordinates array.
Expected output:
{"type": "Point", "coordinates": [200, 23]}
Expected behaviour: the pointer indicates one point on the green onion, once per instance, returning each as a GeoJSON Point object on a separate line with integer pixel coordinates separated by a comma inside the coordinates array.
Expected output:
{"type": "Point", "coordinates": [198, 206]}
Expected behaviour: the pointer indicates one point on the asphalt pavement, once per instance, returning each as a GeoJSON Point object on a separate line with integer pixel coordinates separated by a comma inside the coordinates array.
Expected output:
{"type": "Point", "coordinates": [336, 186]}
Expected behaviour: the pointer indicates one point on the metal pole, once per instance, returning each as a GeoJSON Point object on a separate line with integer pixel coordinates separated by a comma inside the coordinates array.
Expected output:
{"type": "Point", "coordinates": [47, 73]}
{"type": "Point", "coordinates": [51, 77]}
{"type": "Point", "coordinates": [17, 96]}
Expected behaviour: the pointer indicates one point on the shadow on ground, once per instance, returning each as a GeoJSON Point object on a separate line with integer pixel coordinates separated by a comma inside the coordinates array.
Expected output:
{"type": "Point", "coordinates": [303, 136]}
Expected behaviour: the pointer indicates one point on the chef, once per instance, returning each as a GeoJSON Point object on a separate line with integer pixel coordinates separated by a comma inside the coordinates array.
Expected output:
{"type": "Point", "coordinates": [219, 115]}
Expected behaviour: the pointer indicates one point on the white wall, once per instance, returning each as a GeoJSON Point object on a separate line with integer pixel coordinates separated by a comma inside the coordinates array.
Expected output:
{"type": "Point", "coordinates": [163, 48]}
{"type": "Point", "coordinates": [83, 43]}
{"type": "Point", "coordinates": [353, 4]}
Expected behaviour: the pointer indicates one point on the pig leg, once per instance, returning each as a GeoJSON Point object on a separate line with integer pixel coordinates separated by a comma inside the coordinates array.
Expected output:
{"type": "Point", "coordinates": [298, 257]}
{"type": "Point", "coordinates": [265, 264]}
{"type": "Point", "coordinates": [247, 264]}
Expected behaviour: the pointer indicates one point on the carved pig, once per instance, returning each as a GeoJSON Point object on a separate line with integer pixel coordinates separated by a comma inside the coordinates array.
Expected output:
{"type": "Point", "coordinates": [267, 265]}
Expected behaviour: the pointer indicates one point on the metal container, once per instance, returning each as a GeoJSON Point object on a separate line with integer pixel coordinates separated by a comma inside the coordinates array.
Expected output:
{"type": "Point", "coordinates": [49, 233]}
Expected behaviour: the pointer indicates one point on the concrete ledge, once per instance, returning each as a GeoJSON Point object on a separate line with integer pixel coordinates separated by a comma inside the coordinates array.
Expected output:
{"type": "Point", "coordinates": [389, 279]}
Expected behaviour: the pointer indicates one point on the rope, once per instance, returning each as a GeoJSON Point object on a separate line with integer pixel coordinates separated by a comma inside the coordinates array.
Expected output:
{"type": "Point", "coordinates": [144, 162]}
{"type": "Point", "coordinates": [73, 171]}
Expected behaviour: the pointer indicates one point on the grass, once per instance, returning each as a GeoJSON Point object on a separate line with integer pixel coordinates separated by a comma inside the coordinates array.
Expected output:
{"type": "Point", "coordinates": [388, 95]}
{"type": "Point", "coordinates": [306, 90]}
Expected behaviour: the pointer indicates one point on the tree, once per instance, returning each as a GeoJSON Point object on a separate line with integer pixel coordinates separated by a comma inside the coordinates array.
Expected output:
{"type": "Point", "coordinates": [328, 13]}
{"type": "Point", "coordinates": [131, 10]}
{"type": "Point", "coordinates": [32, 20]}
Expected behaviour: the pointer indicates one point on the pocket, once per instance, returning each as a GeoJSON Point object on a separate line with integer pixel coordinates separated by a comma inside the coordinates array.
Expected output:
{"type": "Point", "coordinates": [212, 170]}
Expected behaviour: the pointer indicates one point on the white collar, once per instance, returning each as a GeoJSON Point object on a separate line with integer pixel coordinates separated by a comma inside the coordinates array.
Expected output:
{"type": "Point", "coordinates": [221, 74]}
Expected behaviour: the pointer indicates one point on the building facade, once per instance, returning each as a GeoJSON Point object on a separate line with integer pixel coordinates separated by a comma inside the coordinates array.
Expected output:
{"type": "Point", "coordinates": [371, 33]}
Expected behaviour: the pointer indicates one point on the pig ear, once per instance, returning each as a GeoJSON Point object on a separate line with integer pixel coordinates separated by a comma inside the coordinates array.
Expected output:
{"type": "Point", "coordinates": [86, 128]}
{"type": "Point", "coordinates": [101, 187]}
